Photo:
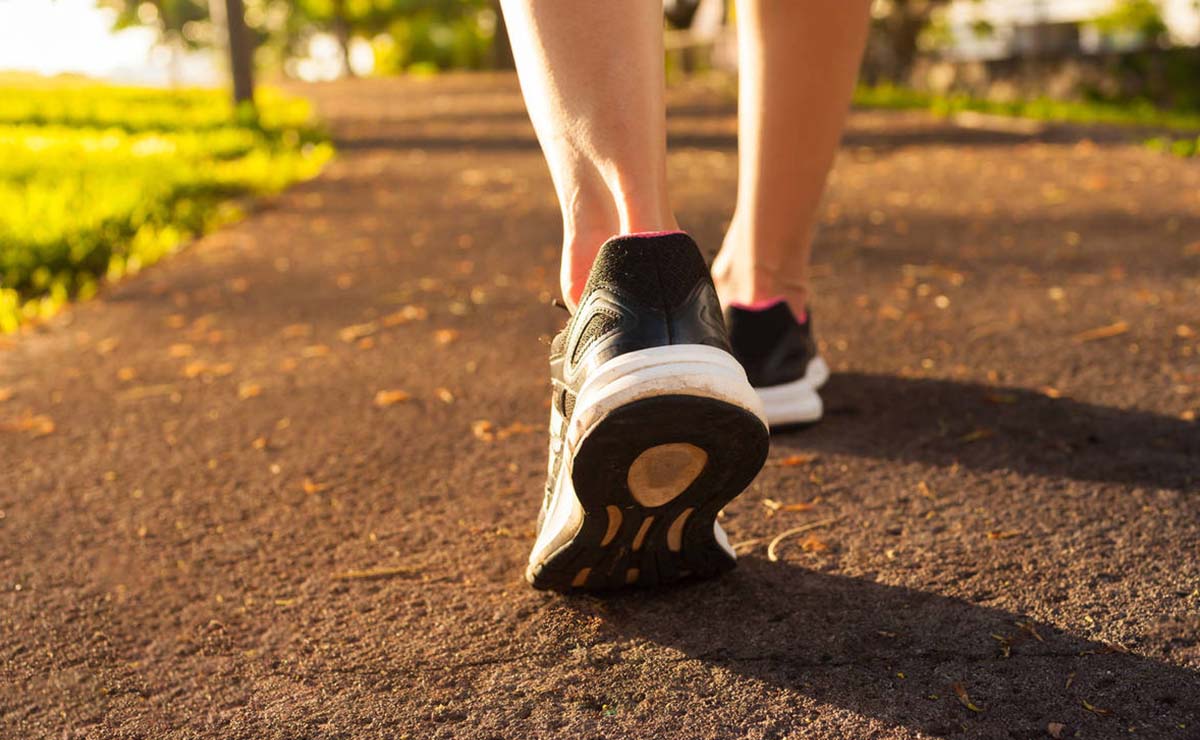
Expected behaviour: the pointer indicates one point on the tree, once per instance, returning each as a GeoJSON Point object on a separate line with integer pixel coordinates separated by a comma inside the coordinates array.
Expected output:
{"type": "Point", "coordinates": [241, 54]}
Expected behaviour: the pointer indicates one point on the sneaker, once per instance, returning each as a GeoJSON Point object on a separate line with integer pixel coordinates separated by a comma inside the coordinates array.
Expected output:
{"type": "Point", "coordinates": [781, 360]}
{"type": "Point", "coordinates": [653, 425]}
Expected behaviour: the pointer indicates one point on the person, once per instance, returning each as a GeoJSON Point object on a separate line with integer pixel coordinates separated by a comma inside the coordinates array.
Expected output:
{"type": "Point", "coordinates": [667, 378]}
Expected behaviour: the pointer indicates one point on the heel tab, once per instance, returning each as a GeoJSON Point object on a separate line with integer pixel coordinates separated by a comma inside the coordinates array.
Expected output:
{"type": "Point", "coordinates": [658, 269]}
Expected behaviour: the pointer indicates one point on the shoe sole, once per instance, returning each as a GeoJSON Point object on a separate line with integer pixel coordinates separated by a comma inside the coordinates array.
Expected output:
{"type": "Point", "coordinates": [798, 402]}
{"type": "Point", "coordinates": [674, 441]}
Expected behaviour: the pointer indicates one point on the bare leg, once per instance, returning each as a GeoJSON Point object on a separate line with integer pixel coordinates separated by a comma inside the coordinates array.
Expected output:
{"type": "Point", "coordinates": [593, 79]}
{"type": "Point", "coordinates": [798, 62]}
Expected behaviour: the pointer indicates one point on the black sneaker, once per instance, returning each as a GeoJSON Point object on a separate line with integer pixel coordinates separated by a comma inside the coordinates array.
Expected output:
{"type": "Point", "coordinates": [781, 361]}
{"type": "Point", "coordinates": [653, 427]}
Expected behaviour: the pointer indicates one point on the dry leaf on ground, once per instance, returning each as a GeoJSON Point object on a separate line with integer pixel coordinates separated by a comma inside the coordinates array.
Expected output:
{"type": "Point", "coordinates": [405, 315]}
{"type": "Point", "coordinates": [792, 461]}
{"type": "Point", "coordinates": [1102, 332]}
{"type": "Point", "coordinates": [249, 390]}
{"type": "Point", "coordinates": [961, 692]}
{"type": "Point", "coordinates": [358, 331]}
{"type": "Point", "coordinates": [5, 394]}
{"type": "Point", "coordinates": [443, 337]}
{"type": "Point", "coordinates": [773, 547]}
{"type": "Point", "coordinates": [39, 425]}
{"type": "Point", "coordinates": [976, 435]}
{"type": "Point", "coordinates": [391, 397]}
{"type": "Point", "coordinates": [1005, 535]}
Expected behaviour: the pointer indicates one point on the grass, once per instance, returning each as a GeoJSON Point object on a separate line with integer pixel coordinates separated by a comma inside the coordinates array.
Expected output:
{"type": "Point", "coordinates": [97, 182]}
{"type": "Point", "coordinates": [1182, 125]}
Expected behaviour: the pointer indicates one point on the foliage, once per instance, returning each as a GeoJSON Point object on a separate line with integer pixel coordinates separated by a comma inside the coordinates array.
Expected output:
{"type": "Point", "coordinates": [1131, 113]}
{"type": "Point", "coordinates": [1142, 18]}
{"type": "Point", "coordinates": [1140, 113]}
{"type": "Point", "coordinates": [180, 22]}
{"type": "Point", "coordinates": [98, 181]}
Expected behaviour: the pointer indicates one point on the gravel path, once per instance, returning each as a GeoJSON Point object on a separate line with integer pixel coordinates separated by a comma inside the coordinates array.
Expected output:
{"type": "Point", "coordinates": [283, 485]}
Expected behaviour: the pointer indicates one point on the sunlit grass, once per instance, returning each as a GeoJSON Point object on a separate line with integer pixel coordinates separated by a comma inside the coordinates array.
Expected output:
{"type": "Point", "coordinates": [1136, 113]}
{"type": "Point", "coordinates": [97, 182]}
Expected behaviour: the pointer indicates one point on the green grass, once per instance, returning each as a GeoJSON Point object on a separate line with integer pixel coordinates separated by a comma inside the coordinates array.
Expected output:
{"type": "Point", "coordinates": [1143, 114]}
{"type": "Point", "coordinates": [97, 182]}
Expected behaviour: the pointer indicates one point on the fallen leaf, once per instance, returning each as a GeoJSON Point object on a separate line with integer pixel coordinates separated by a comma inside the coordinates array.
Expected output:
{"type": "Point", "coordinates": [387, 398]}
{"type": "Point", "coordinates": [482, 429]}
{"type": "Point", "coordinates": [314, 350]}
{"type": "Point", "coordinates": [976, 435]}
{"type": "Point", "coordinates": [1051, 392]}
{"type": "Point", "coordinates": [442, 337]}
{"type": "Point", "coordinates": [358, 331]}
{"type": "Point", "coordinates": [310, 487]}
{"type": "Point", "coordinates": [1183, 331]}
{"type": "Point", "coordinates": [774, 505]}
{"type": "Point", "coordinates": [39, 425]}
{"type": "Point", "coordinates": [1005, 535]}
{"type": "Point", "coordinates": [813, 544]}
{"type": "Point", "coordinates": [221, 369]}
{"type": "Point", "coordinates": [176, 321]}
{"type": "Point", "coordinates": [366, 343]}
{"type": "Point", "coordinates": [259, 443]}
{"type": "Point", "coordinates": [773, 546]}
{"type": "Point", "coordinates": [405, 315]}
{"type": "Point", "coordinates": [5, 394]}
{"type": "Point", "coordinates": [179, 351]}
{"type": "Point", "coordinates": [1031, 629]}
{"type": "Point", "coordinates": [792, 461]}
{"type": "Point", "coordinates": [125, 374]}
{"type": "Point", "coordinates": [516, 427]}
{"type": "Point", "coordinates": [444, 395]}
{"type": "Point", "coordinates": [961, 692]}
{"type": "Point", "coordinates": [1101, 332]}
{"type": "Point", "coordinates": [104, 346]}
{"type": "Point", "coordinates": [249, 390]}
{"type": "Point", "coordinates": [1056, 730]}
{"type": "Point", "coordinates": [195, 368]}
{"type": "Point", "coordinates": [1095, 709]}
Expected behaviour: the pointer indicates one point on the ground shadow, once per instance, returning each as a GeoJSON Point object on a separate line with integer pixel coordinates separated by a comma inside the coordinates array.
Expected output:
{"type": "Point", "coordinates": [896, 654]}
{"type": "Point", "coordinates": [944, 422]}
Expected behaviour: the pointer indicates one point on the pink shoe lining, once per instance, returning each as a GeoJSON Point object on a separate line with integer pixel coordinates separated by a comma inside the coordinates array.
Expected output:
{"type": "Point", "coordinates": [767, 303]}
{"type": "Point", "coordinates": [649, 234]}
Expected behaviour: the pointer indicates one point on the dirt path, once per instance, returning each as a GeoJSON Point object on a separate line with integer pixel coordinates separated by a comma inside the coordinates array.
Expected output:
{"type": "Point", "coordinates": [229, 533]}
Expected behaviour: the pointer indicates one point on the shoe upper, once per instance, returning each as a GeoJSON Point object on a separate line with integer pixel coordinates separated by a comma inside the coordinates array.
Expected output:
{"type": "Point", "coordinates": [643, 292]}
{"type": "Point", "coordinates": [772, 346]}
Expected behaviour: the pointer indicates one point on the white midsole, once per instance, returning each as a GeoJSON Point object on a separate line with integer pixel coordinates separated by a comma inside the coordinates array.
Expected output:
{"type": "Point", "coordinates": [796, 402]}
{"type": "Point", "coordinates": [687, 369]}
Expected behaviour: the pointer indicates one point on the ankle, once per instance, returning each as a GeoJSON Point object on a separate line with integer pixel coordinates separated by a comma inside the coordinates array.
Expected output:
{"type": "Point", "coordinates": [741, 282]}
{"type": "Point", "coordinates": [580, 253]}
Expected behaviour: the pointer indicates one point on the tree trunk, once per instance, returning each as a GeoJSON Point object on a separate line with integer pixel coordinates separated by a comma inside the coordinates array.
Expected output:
{"type": "Point", "coordinates": [241, 53]}
{"type": "Point", "coordinates": [341, 29]}
{"type": "Point", "coordinates": [502, 57]}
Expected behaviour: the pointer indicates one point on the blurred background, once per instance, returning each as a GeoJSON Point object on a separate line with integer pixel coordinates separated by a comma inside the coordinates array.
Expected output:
{"type": "Point", "coordinates": [131, 98]}
{"type": "Point", "coordinates": [1107, 49]}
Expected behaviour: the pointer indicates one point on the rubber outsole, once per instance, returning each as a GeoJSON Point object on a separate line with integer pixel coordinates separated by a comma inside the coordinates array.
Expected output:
{"type": "Point", "coordinates": [796, 404]}
{"type": "Point", "coordinates": [623, 541]}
